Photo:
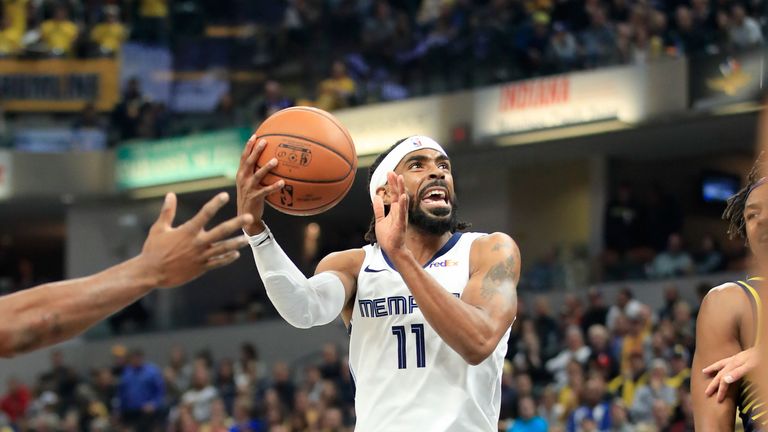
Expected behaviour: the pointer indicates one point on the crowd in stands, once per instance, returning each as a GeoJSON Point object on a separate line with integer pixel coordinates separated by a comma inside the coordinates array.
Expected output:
{"type": "Point", "coordinates": [338, 53]}
{"type": "Point", "coordinates": [590, 366]}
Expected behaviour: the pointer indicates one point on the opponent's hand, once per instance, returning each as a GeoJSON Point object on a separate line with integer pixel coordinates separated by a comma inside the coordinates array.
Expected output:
{"type": "Point", "coordinates": [250, 192]}
{"type": "Point", "coordinates": [729, 370]}
{"type": "Point", "coordinates": [390, 229]}
{"type": "Point", "coordinates": [178, 255]}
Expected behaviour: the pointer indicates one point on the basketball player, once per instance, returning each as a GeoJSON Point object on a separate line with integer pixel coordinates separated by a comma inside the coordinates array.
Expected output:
{"type": "Point", "coordinates": [428, 308]}
{"type": "Point", "coordinates": [50, 313]}
{"type": "Point", "coordinates": [730, 324]}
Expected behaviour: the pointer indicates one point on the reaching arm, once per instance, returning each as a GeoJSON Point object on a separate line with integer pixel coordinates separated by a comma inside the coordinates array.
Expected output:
{"type": "Point", "coordinates": [717, 337]}
{"type": "Point", "coordinates": [54, 312]}
{"type": "Point", "coordinates": [474, 324]}
{"type": "Point", "coordinates": [302, 302]}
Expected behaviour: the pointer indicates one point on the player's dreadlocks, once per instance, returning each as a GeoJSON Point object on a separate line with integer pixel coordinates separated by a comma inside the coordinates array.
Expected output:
{"type": "Point", "coordinates": [370, 236]}
{"type": "Point", "coordinates": [734, 210]}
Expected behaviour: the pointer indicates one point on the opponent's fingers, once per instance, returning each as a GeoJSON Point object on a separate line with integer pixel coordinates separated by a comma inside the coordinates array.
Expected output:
{"type": "Point", "coordinates": [208, 211]}
{"type": "Point", "coordinates": [722, 389]}
{"type": "Point", "coordinates": [713, 385]}
{"type": "Point", "coordinates": [168, 212]}
{"type": "Point", "coordinates": [225, 246]}
{"type": "Point", "coordinates": [222, 260]}
{"type": "Point", "coordinates": [737, 373]}
{"type": "Point", "coordinates": [716, 366]}
{"type": "Point", "coordinates": [224, 229]}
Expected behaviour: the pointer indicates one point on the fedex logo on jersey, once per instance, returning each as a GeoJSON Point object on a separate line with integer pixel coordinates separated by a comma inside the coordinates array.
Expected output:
{"type": "Point", "coordinates": [386, 306]}
{"type": "Point", "coordinates": [443, 263]}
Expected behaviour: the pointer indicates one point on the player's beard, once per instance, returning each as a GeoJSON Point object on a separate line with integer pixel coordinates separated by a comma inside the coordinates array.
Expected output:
{"type": "Point", "coordinates": [433, 221]}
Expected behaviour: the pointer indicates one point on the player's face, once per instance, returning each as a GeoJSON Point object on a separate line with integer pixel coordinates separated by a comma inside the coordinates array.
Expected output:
{"type": "Point", "coordinates": [429, 183]}
{"type": "Point", "coordinates": [756, 217]}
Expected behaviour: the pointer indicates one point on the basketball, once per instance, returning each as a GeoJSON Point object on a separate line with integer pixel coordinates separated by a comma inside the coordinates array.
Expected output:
{"type": "Point", "coordinates": [316, 159]}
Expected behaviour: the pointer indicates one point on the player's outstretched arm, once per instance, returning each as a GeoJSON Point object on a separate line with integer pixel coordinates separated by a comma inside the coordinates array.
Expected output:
{"type": "Point", "coordinates": [54, 312]}
{"type": "Point", "coordinates": [302, 302]}
{"type": "Point", "coordinates": [717, 337]}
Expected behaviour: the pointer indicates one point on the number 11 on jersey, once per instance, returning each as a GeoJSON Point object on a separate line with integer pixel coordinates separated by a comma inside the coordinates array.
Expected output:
{"type": "Point", "coordinates": [400, 334]}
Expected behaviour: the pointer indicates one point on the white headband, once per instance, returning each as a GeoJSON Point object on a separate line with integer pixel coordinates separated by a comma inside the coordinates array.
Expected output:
{"type": "Point", "coordinates": [390, 162]}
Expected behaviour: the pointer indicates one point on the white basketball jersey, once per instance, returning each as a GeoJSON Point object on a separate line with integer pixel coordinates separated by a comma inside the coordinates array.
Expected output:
{"type": "Point", "coordinates": [407, 377]}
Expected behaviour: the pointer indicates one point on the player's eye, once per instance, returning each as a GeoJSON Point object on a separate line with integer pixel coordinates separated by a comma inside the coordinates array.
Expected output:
{"type": "Point", "coordinates": [415, 165]}
{"type": "Point", "coordinates": [444, 165]}
{"type": "Point", "coordinates": [750, 215]}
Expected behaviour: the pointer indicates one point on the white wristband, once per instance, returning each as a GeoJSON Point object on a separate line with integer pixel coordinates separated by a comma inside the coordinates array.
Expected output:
{"type": "Point", "coordinates": [260, 238]}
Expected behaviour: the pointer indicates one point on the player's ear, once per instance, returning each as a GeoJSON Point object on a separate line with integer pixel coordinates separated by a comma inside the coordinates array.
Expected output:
{"type": "Point", "coordinates": [383, 192]}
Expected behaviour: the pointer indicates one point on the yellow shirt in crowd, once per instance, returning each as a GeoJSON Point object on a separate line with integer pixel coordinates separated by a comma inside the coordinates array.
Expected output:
{"type": "Point", "coordinates": [154, 8]}
{"type": "Point", "coordinates": [59, 35]}
{"type": "Point", "coordinates": [109, 36]}
{"type": "Point", "coordinates": [16, 11]}
{"type": "Point", "coordinates": [10, 41]}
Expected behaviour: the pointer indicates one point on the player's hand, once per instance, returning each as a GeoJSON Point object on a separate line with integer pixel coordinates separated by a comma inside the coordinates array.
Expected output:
{"type": "Point", "coordinates": [390, 229]}
{"type": "Point", "coordinates": [250, 192]}
{"type": "Point", "coordinates": [178, 255]}
{"type": "Point", "coordinates": [729, 370]}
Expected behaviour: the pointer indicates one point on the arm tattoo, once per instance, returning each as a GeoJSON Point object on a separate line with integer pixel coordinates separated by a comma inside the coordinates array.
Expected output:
{"type": "Point", "coordinates": [34, 336]}
{"type": "Point", "coordinates": [500, 246]}
{"type": "Point", "coordinates": [500, 274]}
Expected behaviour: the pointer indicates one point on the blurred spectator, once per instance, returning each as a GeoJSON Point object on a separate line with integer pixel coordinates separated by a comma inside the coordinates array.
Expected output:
{"type": "Point", "coordinates": [127, 113]}
{"type": "Point", "coordinates": [681, 372]}
{"type": "Point", "coordinates": [62, 379]}
{"type": "Point", "coordinates": [59, 33]}
{"type": "Point", "coordinates": [152, 22]}
{"type": "Point", "coordinates": [673, 262]}
{"type": "Point", "coordinates": [656, 388]}
{"type": "Point", "coordinates": [626, 384]}
{"type": "Point", "coordinates": [141, 393]}
{"type": "Point", "coordinates": [243, 420]}
{"type": "Point", "coordinates": [563, 53]}
{"type": "Point", "coordinates": [625, 305]}
{"type": "Point", "coordinates": [594, 408]}
{"type": "Point", "coordinates": [330, 368]}
{"type": "Point", "coordinates": [709, 259]}
{"type": "Point", "coordinates": [338, 91]}
{"type": "Point", "coordinates": [688, 37]}
{"type": "Point", "coordinates": [528, 421]}
{"type": "Point", "coordinates": [219, 421]}
{"type": "Point", "coordinates": [671, 297]}
{"type": "Point", "coordinates": [598, 41]}
{"type": "Point", "coordinates": [202, 394]}
{"type": "Point", "coordinates": [620, 418]}
{"type": "Point", "coordinates": [178, 374]}
{"type": "Point", "coordinates": [10, 38]}
{"type": "Point", "coordinates": [16, 401]}
{"type": "Point", "coordinates": [662, 217]}
{"type": "Point", "coordinates": [109, 35]}
{"type": "Point", "coordinates": [575, 350]}
{"type": "Point", "coordinates": [15, 11]}
{"type": "Point", "coordinates": [378, 36]}
{"type": "Point", "coordinates": [548, 408]}
{"type": "Point", "coordinates": [274, 100]}
{"type": "Point", "coordinates": [282, 384]}
{"type": "Point", "coordinates": [601, 357]}
{"type": "Point", "coordinates": [529, 358]}
{"type": "Point", "coordinates": [225, 384]}
{"type": "Point", "coordinates": [547, 327]}
{"type": "Point", "coordinates": [623, 220]}
{"type": "Point", "coordinates": [248, 369]}
{"type": "Point", "coordinates": [744, 30]}
{"type": "Point", "coordinates": [597, 311]}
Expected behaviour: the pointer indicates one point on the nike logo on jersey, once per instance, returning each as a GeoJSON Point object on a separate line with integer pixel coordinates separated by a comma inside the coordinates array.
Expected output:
{"type": "Point", "coordinates": [368, 269]}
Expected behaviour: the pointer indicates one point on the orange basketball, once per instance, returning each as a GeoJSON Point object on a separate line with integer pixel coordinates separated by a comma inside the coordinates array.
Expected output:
{"type": "Point", "coordinates": [316, 158]}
